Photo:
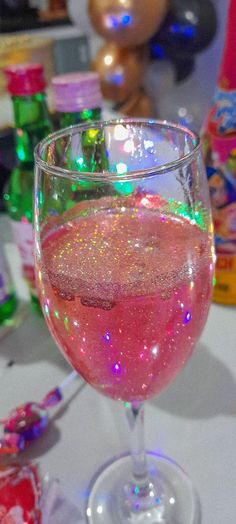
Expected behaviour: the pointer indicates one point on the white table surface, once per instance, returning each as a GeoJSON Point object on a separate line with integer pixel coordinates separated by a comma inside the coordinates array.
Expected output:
{"type": "Point", "coordinates": [193, 421]}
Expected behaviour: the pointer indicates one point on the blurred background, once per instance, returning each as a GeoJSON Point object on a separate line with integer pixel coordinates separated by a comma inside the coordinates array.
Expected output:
{"type": "Point", "coordinates": [160, 62]}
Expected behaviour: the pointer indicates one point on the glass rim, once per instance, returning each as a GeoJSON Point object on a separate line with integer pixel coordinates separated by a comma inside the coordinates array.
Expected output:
{"type": "Point", "coordinates": [110, 176]}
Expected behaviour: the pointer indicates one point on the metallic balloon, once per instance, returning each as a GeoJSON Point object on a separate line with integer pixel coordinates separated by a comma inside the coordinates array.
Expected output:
{"type": "Point", "coordinates": [127, 22]}
{"type": "Point", "coordinates": [139, 105]}
{"type": "Point", "coordinates": [120, 70]}
{"type": "Point", "coordinates": [190, 26]}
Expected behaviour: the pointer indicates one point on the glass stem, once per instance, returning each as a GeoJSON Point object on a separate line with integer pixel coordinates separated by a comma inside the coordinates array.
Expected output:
{"type": "Point", "coordinates": [135, 417]}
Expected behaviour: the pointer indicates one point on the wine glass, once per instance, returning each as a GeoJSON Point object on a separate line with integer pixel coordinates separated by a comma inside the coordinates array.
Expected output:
{"type": "Point", "coordinates": [124, 260]}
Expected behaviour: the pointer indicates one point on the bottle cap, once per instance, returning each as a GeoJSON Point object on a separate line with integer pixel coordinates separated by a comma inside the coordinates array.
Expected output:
{"type": "Point", "coordinates": [25, 79]}
{"type": "Point", "coordinates": [74, 92]}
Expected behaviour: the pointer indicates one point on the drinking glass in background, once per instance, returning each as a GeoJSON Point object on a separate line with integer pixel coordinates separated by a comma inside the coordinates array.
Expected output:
{"type": "Point", "coordinates": [125, 275]}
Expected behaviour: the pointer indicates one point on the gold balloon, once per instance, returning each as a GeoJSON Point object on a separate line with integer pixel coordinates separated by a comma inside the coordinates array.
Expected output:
{"type": "Point", "coordinates": [139, 105]}
{"type": "Point", "coordinates": [120, 70]}
{"type": "Point", "coordinates": [127, 22]}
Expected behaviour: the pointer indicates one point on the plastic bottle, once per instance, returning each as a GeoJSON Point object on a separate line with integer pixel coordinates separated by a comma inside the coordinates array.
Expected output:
{"type": "Point", "coordinates": [219, 145]}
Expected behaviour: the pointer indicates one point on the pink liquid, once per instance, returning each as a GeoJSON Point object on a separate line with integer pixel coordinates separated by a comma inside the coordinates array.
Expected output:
{"type": "Point", "coordinates": [126, 294]}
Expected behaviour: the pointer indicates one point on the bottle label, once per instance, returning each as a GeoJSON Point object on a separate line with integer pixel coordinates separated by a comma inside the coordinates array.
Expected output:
{"type": "Point", "coordinates": [221, 171]}
{"type": "Point", "coordinates": [225, 276]}
{"type": "Point", "coordinates": [223, 112]}
{"type": "Point", "coordinates": [220, 158]}
{"type": "Point", "coordinates": [23, 235]}
{"type": "Point", "coordinates": [5, 282]}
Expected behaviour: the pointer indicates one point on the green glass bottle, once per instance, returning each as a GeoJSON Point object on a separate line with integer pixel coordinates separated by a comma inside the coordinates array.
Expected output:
{"type": "Point", "coordinates": [8, 301]}
{"type": "Point", "coordinates": [77, 100]}
{"type": "Point", "coordinates": [26, 86]}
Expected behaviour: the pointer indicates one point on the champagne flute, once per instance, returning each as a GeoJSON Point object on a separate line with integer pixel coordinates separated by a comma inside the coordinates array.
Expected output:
{"type": "Point", "coordinates": [124, 259]}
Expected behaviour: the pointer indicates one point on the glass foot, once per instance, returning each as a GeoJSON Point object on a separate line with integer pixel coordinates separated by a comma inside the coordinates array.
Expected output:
{"type": "Point", "coordinates": [169, 497]}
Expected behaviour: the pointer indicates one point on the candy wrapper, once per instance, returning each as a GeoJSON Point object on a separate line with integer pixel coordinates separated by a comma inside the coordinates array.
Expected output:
{"type": "Point", "coordinates": [26, 423]}
{"type": "Point", "coordinates": [56, 508]}
{"type": "Point", "coordinates": [20, 495]}
{"type": "Point", "coordinates": [26, 499]}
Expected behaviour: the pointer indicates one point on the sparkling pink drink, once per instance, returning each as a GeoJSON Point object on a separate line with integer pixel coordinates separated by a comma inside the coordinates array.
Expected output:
{"type": "Point", "coordinates": [126, 293]}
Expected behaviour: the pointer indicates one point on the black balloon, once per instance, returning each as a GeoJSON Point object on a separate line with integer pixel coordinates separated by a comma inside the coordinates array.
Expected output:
{"type": "Point", "coordinates": [183, 67]}
{"type": "Point", "coordinates": [189, 27]}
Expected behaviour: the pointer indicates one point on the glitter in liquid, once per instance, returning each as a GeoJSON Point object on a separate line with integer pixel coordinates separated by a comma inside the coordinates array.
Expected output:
{"type": "Point", "coordinates": [120, 279]}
